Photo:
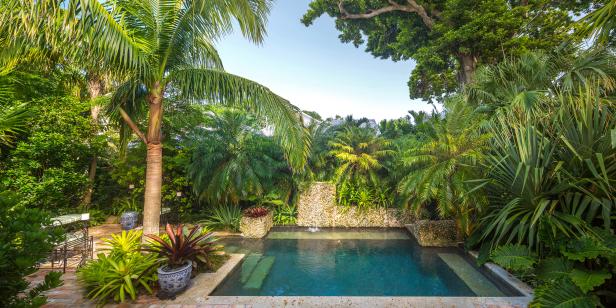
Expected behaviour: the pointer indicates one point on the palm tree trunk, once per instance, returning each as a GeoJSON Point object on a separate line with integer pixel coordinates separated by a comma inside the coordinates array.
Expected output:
{"type": "Point", "coordinates": [154, 164]}
{"type": "Point", "coordinates": [95, 89]}
{"type": "Point", "coordinates": [468, 64]}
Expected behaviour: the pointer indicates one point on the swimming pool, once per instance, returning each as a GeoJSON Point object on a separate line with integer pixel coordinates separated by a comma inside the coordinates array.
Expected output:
{"type": "Point", "coordinates": [291, 262]}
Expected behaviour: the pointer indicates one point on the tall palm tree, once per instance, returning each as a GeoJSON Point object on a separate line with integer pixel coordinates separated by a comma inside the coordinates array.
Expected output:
{"type": "Point", "coordinates": [168, 46]}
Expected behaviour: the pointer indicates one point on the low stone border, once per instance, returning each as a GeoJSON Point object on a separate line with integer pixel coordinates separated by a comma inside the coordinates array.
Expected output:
{"type": "Point", "coordinates": [205, 283]}
{"type": "Point", "coordinates": [506, 277]}
{"type": "Point", "coordinates": [368, 301]}
{"type": "Point", "coordinates": [434, 233]}
{"type": "Point", "coordinates": [256, 227]}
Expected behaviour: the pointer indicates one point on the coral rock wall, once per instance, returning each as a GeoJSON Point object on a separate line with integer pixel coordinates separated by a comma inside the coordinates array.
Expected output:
{"type": "Point", "coordinates": [317, 208]}
{"type": "Point", "coordinates": [256, 227]}
{"type": "Point", "coordinates": [438, 233]}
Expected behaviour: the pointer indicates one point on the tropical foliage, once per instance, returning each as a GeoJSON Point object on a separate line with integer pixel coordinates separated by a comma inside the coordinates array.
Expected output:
{"type": "Point", "coordinates": [183, 245]}
{"type": "Point", "coordinates": [122, 273]}
{"type": "Point", "coordinates": [23, 242]}
{"type": "Point", "coordinates": [520, 149]}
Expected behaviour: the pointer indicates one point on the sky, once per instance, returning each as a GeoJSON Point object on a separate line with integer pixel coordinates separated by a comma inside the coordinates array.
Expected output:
{"type": "Point", "coordinates": [310, 67]}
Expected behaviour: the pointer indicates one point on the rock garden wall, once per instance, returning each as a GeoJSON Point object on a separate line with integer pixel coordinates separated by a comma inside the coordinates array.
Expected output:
{"type": "Point", "coordinates": [317, 208]}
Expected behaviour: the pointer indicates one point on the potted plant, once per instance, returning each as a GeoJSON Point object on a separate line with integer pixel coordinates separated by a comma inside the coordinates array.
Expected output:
{"type": "Point", "coordinates": [179, 249]}
{"type": "Point", "coordinates": [129, 210]}
{"type": "Point", "coordinates": [256, 222]}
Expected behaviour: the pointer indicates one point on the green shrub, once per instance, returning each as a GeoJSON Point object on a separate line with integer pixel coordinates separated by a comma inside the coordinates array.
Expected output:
{"type": "Point", "coordinates": [577, 275]}
{"type": "Point", "coordinates": [224, 217]}
{"type": "Point", "coordinates": [23, 243]}
{"type": "Point", "coordinates": [285, 214]}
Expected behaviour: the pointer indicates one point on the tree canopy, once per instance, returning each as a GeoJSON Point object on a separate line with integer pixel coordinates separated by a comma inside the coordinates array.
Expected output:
{"type": "Point", "coordinates": [449, 39]}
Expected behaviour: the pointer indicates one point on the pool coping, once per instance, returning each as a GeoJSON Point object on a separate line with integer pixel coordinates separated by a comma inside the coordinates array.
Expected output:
{"type": "Point", "coordinates": [506, 277]}
{"type": "Point", "coordinates": [204, 284]}
{"type": "Point", "coordinates": [367, 301]}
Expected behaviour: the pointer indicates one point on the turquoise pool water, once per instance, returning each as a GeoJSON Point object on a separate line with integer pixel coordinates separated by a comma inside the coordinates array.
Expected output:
{"type": "Point", "coordinates": [350, 263]}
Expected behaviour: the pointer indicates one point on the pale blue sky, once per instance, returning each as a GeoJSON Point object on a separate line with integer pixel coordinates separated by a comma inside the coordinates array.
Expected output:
{"type": "Point", "coordinates": [311, 67]}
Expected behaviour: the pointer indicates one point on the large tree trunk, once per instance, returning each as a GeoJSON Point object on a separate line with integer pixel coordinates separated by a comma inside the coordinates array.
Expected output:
{"type": "Point", "coordinates": [95, 89]}
{"type": "Point", "coordinates": [468, 65]}
{"type": "Point", "coordinates": [154, 164]}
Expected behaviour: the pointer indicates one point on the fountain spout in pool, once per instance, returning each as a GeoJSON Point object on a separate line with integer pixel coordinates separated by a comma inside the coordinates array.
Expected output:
{"type": "Point", "coordinates": [313, 229]}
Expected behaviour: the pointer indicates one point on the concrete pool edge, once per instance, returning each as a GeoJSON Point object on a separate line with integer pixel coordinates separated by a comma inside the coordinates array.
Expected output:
{"type": "Point", "coordinates": [367, 301]}
{"type": "Point", "coordinates": [205, 283]}
{"type": "Point", "coordinates": [506, 277]}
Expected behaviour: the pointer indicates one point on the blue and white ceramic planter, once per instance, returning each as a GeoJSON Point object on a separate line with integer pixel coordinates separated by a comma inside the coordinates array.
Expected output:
{"type": "Point", "coordinates": [128, 220]}
{"type": "Point", "coordinates": [172, 281]}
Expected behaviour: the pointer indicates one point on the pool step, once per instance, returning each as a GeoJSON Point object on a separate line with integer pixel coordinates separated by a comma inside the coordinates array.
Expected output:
{"type": "Point", "coordinates": [243, 251]}
{"type": "Point", "coordinates": [248, 266]}
{"type": "Point", "coordinates": [475, 281]}
{"type": "Point", "coordinates": [231, 249]}
{"type": "Point", "coordinates": [255, 281]}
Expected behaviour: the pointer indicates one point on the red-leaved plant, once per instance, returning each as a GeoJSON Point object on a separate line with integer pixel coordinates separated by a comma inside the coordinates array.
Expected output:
{"type": "Point", "coordinates": [183, 246]}
{"type": "Point", "coordinates": [256, 212]}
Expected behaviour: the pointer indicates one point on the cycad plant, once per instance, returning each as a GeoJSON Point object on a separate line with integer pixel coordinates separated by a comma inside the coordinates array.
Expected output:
{"type": "Point", "coordinates": [360, 156]}
{"type": "Point", "coordinates": [234, 160]}
{"type": "Point", "coordinates": [440, 169]}
{"type": "Point", "coordinates": [359, 152]}
{"type": "Point", "coordinates": [167, 46]}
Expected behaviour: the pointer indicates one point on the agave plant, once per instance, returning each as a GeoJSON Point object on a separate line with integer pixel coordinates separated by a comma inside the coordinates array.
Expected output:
{"type": "Point", "coordinates": [182, 245]}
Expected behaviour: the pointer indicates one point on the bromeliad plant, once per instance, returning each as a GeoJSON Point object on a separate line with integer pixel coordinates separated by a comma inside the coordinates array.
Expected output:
{"type": "Point", "coordinates": [256, 212]}
{"type": "Point", "coordinates": [121, 274]}
{"type": "Point", "coordinates": [117, 276]}
{"type": "Point", "coordinates": [124, 243]}
{"type": "Point", "coordinates": [179, 246]}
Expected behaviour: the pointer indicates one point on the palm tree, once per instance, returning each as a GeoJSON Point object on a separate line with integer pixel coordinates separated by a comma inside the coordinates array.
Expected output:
{"type": "Point", "coordinates": [440, 168]}
{"type": "Point", "coordinates": [167, 46]}
{"type": "Point", "coordinates": [359, 152]}
{"type": "Point", "coordinates": [12, 122]}
{"type": "Point", "coordinates": [601, 23]}
{"type": "Point", "coordinates": [523, 85]}
{"type": "Point", "coordinates": [233, 160]}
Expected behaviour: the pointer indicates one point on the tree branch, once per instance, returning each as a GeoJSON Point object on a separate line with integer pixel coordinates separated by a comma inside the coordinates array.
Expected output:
{"type": "Point", "coordinates": [132, 125]}
{"type": "Point", "coordinates": [410, 7]}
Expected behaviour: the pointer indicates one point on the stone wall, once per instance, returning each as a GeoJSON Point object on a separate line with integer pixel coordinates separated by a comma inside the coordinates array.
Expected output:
{"type": "Point", "coordinates": [256, 227]}
{"type": "Point", "coordinates": [317, 208]}
{"type": "Point", "coordinates": [437, 233]}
